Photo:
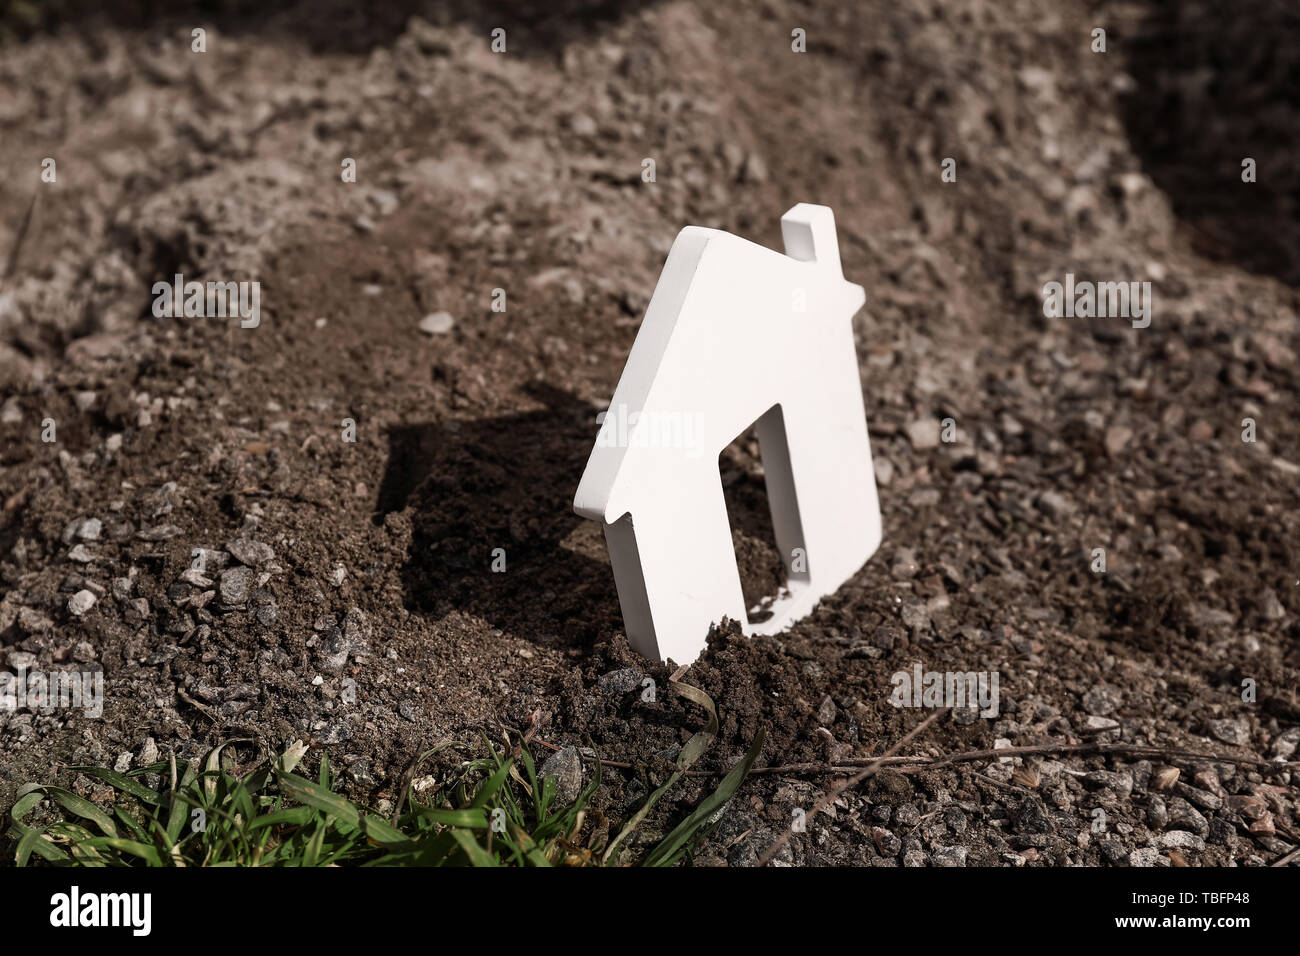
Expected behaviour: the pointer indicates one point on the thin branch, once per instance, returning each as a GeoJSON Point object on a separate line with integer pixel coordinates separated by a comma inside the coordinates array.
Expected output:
{"type": "Point", "coordinates": [836, 789]}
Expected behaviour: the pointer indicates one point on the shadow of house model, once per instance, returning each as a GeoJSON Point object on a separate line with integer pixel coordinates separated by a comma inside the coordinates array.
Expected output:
{"type": "Point", "coordinates": [735, 335]}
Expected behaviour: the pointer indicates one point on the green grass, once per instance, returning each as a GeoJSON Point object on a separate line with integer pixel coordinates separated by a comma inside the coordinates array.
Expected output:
{"type": "Point", "coordinates": [493, 811]}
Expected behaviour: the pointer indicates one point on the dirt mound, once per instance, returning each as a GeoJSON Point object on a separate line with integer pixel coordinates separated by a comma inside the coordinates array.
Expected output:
{"type": "Point", "coordinates": [351, 480]}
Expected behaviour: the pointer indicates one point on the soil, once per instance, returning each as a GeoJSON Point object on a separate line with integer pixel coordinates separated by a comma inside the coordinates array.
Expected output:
{"type": "Point", "coordinates": [375, 625]}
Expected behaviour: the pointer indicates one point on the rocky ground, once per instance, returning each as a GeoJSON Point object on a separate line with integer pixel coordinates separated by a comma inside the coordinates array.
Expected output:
{"type": "Point", "coordinates": [345, 595]}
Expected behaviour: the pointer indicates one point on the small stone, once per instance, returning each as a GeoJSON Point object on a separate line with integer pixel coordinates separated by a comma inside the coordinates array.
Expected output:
{"type": "Point", "coordinates": [250, 552]}
{"type": "Point", "coordinates": [123, 763]}
{"type": "Point", "coordinates": [582, 124]}
{"type": "Point", "coordinates": [1113, 851]}
{"type": "Point", "coordinates": [886, 842]}
{"type": "Point", "coordinates": [950, 856]}
{"type": "Point", "coordinates": [754, 169]}
{"type": "Point", "coordinates": [122, 588]}
{"type": "Point", "coordinates": [924, 434]}
{"type": "Point", "coordinates": [361, 773]}
{"type": "Point", "coordinates": [1147, 856]}
{"type": "Point", "coordinates": [1286, 743]}
{"type": "Point", "coordinates": [90, 529]}
{"type": "Point", "coordinates": [1209, 781]}
{"type": "Point", "coordinates": [565, 766]}
{"type": "Point", "coordinates": [619, 682]}
{"type": "Point", "coordinates": [1181, 840]}
{"type": "Point", "coordinates": [1157, 814]}
{"type": "Point", "coordinates": [1120, 783]}
{"type": "Point", "coordinates": [148, 752]}
{"type": "Point", "coordinates": [915, 857]}
{"type": "Point", "coordinates": [906, 815]}
{"type": "Point", "coordinates": [1095, 722]}
{"type": "Point", "coordinates": [916, 617]}
{"type": "Point", "coordinates": [196, 578]}
{"type": "Point", "coordinates": [1221, 833]}
{"type": "Point", "coordinates": [1102, 699]}
{"type": "Point", "coordinates": [334, 650]}
{"type": "Point", "coordinates": [81, 554]}
{"type": "Point", "coordinates": [22, 660]}
{"type": "Point", "coordinates": [81, 602]}
{"type": "Point", "coordinates": [1165, 778]}
{"type": "Point", "coordinates": [1183, 816]}
{"type": "Point", "coordinates": [33, 621]}
{"type": "Point", "coordinates": [437, 323]}
{"type": "Point", "coordinates": [235, 583]}
{"type": "Point", "coordinates": [1117, 437]}
{"type": "Point", "coordinates": [1054, 505]}
{"type": "Point", "coordinates": [1231, 731]}
{"type": "Point", "coordinates": [1270, 607]}
{"type": "Point", "coordinates": [1202, 798]}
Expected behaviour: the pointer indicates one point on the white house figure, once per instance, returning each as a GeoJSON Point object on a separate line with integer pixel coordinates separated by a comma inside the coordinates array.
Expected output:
{"type": "Point", "coordinates": [735, 335]}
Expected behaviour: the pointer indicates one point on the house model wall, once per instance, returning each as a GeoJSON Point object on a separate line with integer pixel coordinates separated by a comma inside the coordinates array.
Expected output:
{"type": "Point", "coordinates": [735, 335]}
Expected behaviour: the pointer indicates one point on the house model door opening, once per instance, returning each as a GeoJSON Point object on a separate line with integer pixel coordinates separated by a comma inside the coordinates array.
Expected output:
{"type": "Point", "coordinates": [736, 335]}
{"type": "Point", "coordinates": [763, 509]}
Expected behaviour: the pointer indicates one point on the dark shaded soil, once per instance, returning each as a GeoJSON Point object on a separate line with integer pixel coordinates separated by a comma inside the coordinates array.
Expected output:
{"type": "Point", "coordinates": [522, 171]}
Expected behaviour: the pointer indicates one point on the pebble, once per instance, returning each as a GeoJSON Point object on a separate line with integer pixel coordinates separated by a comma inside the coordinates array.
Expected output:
{"type": "Point", "coordinates": [1157, 814]}
{"type": "Point", "coordinates": [565, 766]}
{"type": "Point", "coordinates": [235, 583]}
{"type": "Point", "coordinates": [22, 660]}
{"type": "Point", "coordinates": [1221, 832]}
{"type": "Point", "coordinates": [950, 856]}
{"type": "Point", "coordinates": [1231, 731]}
{"type": "Point", "coordinates": [923, 433]}
{"type": "Point", "coordinates": [906, 815]}
{"type": "Point", "coordinates": [197, 578]}
{"type": "Point", "coordinates": [1183, 816]}
{"type": "Point", "coordinates": [619, 682]}
{"type": "Point", "coordinates": [81, 554]}
{"type": "Point", "coordinates": [1095, 722]}
{"type": "Point", "coordinates": [582, 124]}
{"type": "Point", "coordinates": [1121, 783]}
{"type": "Point", "coordinates": [1270, 607]}
{"type": "Point", "coordinates": [1054, 505]}
{"type": "Point", "coordinates": [1102, 699]}
{"type": "Point", "coordinates": [123, 763]}
{"type": "Point", "coordinates": [1181, 840]}
{"type": "Point", "coordinates": [915, 857]}
{"type": "Point", "coordinates": [250, 552]}
{"type": "Point", "coordinates": [437, 323]}
{"type": "Point", "coordinates": [1116, 438]}
{"type": "Point", "coordinates": [32, 621]}
{"type": "Point", "coordinates": [1285, 744]}
{"type": "Point", "coordinates": [90, 529]}
{"type": "Point", "coordinates": [1147, 856]}
{"type": "Point", "coordinates": [81, 602]}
